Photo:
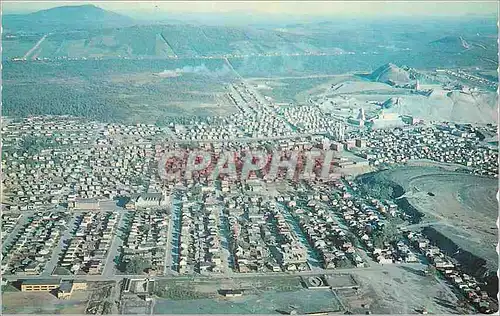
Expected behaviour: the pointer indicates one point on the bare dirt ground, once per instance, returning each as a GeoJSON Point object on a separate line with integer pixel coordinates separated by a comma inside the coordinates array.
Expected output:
{"type": "Point", "coordinates": [398, 290]}
{"type": "Point", "coordinates": [102, 298]}
{"type": "Point", "coordinates": [269, 302]}
{"type": "Point", "coordinates": [99, 297]}
{"type": "Point", "coordinates": [42, 303]}
{"type": "Point", "coordinates": [348, 91]}
{"type": "Point", "coordinates": [441, 165]}
{"type": "Point", "coordinates": [463, 208]}
{"type": "Point", "coordinates": [388, 289]}
{"type": "Point", "coordinates": [270, 295]}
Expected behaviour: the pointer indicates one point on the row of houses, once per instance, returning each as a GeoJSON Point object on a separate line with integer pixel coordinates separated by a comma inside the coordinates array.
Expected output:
{"type": "Point", "coordinates": [439, 143]}
{"type": "Point", "coordinates": [325, 235]}
{"type": "Point", "coordinates": [310, 119]}
{"type": "Point", "coordinates": [467, 285]}
{"type": "Point", "coordinates": [87, 249]}
{"type": "Point", "coordinates": [9, 222]}
{"type": "Point", "coordinates": [291, 253]}
{"type": "Point", "coordinates": [32, 247]}
{"type": "Point", "coordinates": [257, 119]}
{"type": "Point", "coordinates": [249, 250]}
{"type": "Point", "coordinates": [199, 243]}
{"type": "Point", "coordinates": [76, 159]}
{"type": "Point", "coordinates": [146, 237]}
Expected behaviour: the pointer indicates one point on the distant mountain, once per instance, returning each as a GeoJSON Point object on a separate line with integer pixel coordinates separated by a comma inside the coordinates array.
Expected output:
{"type": "Point", "coordinates": [65, 18]}
{"type": "Point", "coordinates": [390, 73]}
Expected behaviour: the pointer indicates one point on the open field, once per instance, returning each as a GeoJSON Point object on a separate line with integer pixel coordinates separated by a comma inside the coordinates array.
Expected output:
{"type": "Point", "coordinates": [99, 296]}
{"type": "Point", "coordinates": [42, 303]}
{"type": "Point", "coordinates": [391, 289]}
{"type": "Point", "coordinates": [399, 290]}
{"type": "Point", "coordinates": [260, 296]}
{"type": "Point", "coordinates": [298, 89]}
{"type": "Point", "coordinates": [207, 289]}
{"type": "Point", "coordinates": [383, 289]}
{"type": "Point", "coordinates": [270, 302]}
{"type": "Point", "coordinates": [17, 46]}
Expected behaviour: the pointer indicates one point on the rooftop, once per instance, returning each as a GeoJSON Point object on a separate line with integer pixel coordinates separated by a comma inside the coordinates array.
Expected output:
{"type": "Point", "coordinates": [66, 287]}
{"type": "Point", "coordinates": [41, 282]}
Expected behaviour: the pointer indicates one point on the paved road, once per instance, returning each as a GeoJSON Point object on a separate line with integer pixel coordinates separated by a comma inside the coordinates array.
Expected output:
{"type": "Point", "coordinates": [312, 259]}
{"type": "Point", "coordinates": [375, 268]}
{"type": "Point", "coordinates": [12, 235]}
{"type": "Point", "coordinates": [168, 250]}
{"type": "Point", "coordinates": [232, 68]}
{"type": "Point", "coordinates": [117, 242]}
{"type": "Point", "coordinates": [246, 139]}
{"type": "Point", "coordinates": [224, 246]}
{"type": "Point", "coordinates": [57, 251]}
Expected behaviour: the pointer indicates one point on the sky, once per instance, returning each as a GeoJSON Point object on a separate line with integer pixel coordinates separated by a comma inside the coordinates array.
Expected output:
{"type": "Point", "coordinates": [308, 8]}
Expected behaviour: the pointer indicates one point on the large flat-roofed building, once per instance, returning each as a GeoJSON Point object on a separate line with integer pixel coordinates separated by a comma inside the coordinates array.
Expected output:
{"type": "Point", "coordinates": [150, 200]}
{"type": "Point", "coordinates": [40, 285]}
{"type": "Point", "coordinates": [86, 204]}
